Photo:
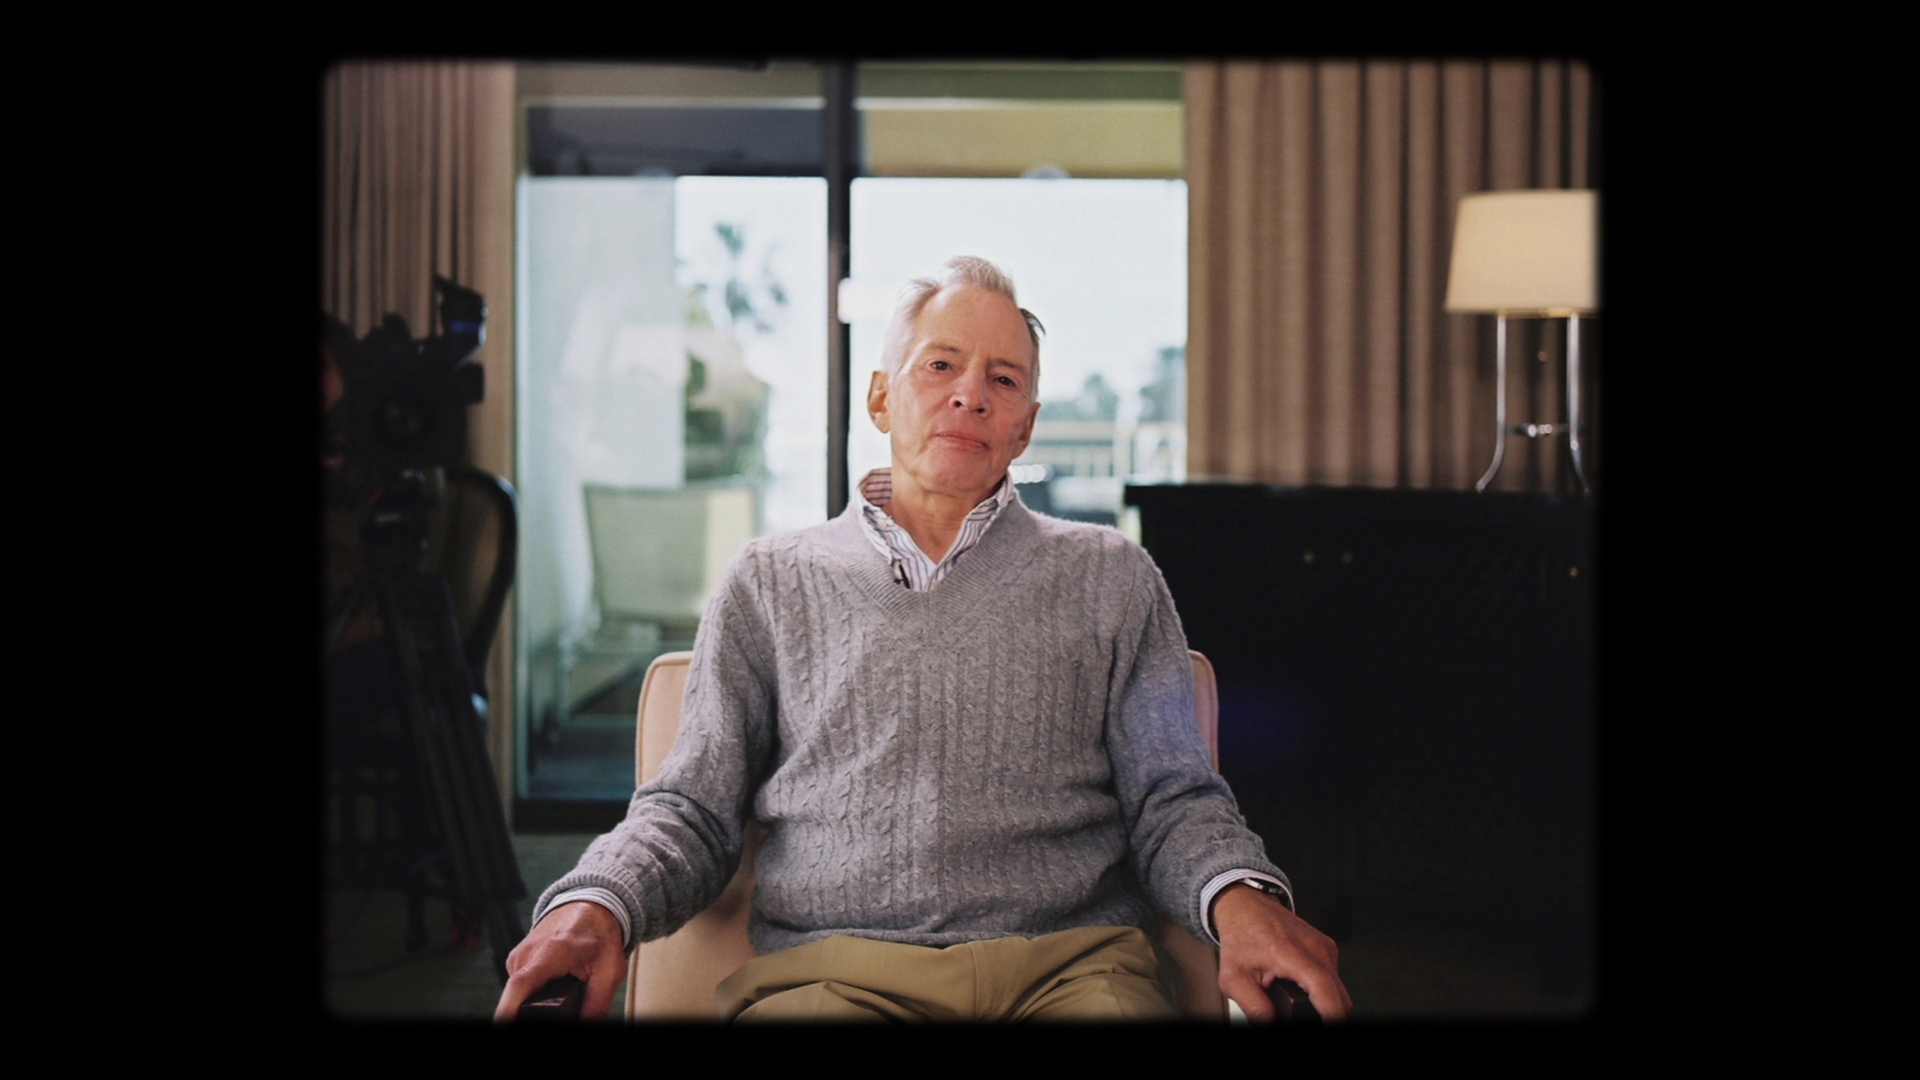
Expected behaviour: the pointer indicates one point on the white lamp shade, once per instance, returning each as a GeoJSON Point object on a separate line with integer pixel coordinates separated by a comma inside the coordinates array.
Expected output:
{"type": "Point", "coordinates": [1525, 252]}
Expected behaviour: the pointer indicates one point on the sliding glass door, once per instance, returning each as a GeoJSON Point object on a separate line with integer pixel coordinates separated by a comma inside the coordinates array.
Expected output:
{"type": "Point", "coordinates": [672, 393]}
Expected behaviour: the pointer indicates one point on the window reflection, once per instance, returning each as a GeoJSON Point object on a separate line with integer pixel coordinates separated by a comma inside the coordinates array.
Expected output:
{"type": "Point", "coordinates": [673, 406]}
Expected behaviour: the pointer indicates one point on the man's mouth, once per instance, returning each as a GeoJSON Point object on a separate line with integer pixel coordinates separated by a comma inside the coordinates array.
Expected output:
{"type": "Point", "coordinates": [962, 438]}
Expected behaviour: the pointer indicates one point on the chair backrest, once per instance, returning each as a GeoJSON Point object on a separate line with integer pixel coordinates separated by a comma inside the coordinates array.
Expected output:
{"type": "Point", "coordinates": [673, 978]}
{"type": "Point", "coordinates": [473, 537]}
{"type": "Point", "coordinates": [659, 552]}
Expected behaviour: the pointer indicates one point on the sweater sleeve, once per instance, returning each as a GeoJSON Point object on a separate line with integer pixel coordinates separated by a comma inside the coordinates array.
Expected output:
{"type": "Point", "coordinates": [1184, 829]}
{"type": "Point", "coordinates": [677, 848]}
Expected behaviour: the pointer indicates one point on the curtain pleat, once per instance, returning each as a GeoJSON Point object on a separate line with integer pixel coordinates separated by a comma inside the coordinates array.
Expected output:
{"type": "Point", "coordinates": [1322, 195]}
{"type": "Point", "coordinates": [410, 147]}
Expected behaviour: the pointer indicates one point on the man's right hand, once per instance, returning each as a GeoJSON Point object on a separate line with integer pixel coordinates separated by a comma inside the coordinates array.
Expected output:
{"type": "Point", "coordinates": [581, 939]}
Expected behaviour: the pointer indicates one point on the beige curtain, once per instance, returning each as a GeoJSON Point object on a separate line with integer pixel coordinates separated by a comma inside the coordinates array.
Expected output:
{"type": "Point", "coordinates": [1321, 201]}
{"type": "Point", "coordinates": [418, 170]}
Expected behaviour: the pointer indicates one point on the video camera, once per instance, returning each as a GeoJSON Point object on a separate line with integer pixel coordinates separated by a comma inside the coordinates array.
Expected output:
{"type": "Point", "coordinates": [405, 400]}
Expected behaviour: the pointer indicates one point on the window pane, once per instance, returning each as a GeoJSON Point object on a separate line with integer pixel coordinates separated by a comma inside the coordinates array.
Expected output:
{"type": "Point", "coordinates": [672, 405]}
{"type": "Point", "coordinates": [777, 283]}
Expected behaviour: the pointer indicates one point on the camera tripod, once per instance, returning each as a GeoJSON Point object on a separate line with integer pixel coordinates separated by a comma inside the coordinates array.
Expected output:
{"type": "Point", "coordinates": [415, 742]}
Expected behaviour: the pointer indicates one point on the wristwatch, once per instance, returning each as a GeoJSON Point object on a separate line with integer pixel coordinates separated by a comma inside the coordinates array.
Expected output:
{"type": "Point", "coordinates": [1265, 886]}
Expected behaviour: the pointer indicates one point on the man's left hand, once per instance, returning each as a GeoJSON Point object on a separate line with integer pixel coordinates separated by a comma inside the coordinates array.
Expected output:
{"type": "Point", "coordinates": [1260, 941]}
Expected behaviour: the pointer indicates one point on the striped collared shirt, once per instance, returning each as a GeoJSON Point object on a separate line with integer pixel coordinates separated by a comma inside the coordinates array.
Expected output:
{"type": "Point", "coordinates": [911, 566]}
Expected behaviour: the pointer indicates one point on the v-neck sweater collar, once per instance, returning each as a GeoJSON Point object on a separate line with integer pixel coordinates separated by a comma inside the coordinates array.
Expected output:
{"type": "Point", "coordinates": [990, 565]}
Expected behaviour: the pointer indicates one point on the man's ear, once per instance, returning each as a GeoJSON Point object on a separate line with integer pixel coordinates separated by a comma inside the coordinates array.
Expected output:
{"type": "Point", "coordinates": [877, 402]}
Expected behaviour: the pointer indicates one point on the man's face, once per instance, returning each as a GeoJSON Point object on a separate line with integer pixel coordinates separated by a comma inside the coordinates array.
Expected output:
{"type": "Point", "coordinates": [961, 407]}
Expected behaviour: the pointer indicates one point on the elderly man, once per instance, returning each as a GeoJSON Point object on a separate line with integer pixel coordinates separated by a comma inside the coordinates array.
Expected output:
{"type": "Point", "coordinates": [968, 729]}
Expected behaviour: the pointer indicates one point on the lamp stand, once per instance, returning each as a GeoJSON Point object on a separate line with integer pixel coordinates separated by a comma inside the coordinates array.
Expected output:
{"type": "Point", "coordinates": [1502, 429]}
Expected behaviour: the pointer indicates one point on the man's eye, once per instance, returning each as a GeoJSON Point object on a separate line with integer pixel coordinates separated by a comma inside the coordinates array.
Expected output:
{"type": "Point", "coordinates": [1007, 380]}
{"type": "Point", "coordinates": [939, 365]}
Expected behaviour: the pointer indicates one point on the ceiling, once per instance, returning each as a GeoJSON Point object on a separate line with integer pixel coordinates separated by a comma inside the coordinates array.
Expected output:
{"type": "Point", "coordinates": [916, 119]}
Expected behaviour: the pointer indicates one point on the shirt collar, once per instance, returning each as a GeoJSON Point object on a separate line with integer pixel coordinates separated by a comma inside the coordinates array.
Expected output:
{"type": "Point", "coordinates": [911, 566]}
{"type": "Point", "coordinates": [875, 491]}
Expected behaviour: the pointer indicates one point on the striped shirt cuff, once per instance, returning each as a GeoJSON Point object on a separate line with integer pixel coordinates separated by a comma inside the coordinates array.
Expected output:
{"type": "Point", "coordinates": [1224, 880]}
{"type": "Point", "coordinates": [606, 899]}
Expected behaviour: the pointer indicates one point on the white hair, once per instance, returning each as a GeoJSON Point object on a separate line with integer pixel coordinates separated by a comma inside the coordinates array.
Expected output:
{"type": "Point", "coordinates": [961, 270]}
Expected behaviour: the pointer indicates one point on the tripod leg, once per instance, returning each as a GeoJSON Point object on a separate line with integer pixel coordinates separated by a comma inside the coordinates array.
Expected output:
{"type": "Point", "coordinates": [446, 733]}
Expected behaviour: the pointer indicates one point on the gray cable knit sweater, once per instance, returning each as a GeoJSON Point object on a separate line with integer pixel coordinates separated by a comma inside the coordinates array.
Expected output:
{"type": "Point", "coordinates": [1009, 754]}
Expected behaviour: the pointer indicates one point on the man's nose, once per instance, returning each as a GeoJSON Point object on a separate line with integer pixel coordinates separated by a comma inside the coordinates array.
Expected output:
{"type": "Point", "coordinates": [970, 392]}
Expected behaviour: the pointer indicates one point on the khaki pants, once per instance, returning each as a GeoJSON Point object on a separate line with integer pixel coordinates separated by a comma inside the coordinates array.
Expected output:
{"type": "Point", "coordinates": [1094, 973]}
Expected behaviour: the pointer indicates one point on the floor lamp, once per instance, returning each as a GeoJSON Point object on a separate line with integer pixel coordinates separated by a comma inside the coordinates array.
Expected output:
{"type": "Point", "coordinates": [1527, 255]}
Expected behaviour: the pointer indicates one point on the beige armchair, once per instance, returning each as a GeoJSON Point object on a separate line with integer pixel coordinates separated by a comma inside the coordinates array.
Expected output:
{"type": "Point", "coordinates": [674, 977]}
